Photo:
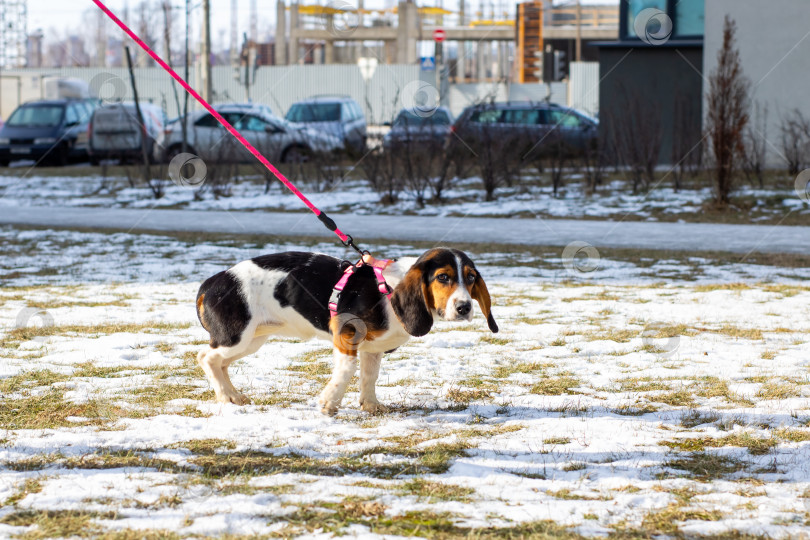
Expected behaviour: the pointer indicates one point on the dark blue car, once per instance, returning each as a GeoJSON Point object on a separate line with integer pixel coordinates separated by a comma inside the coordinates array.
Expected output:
{"type": "Point", "coordinates": [52, 131]}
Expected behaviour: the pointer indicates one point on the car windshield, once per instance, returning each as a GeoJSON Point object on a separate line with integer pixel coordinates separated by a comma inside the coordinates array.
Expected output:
{"type": "Point", "coordinates": [36, 116]}
{"type": "Point", "coordinates": [408, 118]}
{"type": "Point", "coordinates": [314, 112]}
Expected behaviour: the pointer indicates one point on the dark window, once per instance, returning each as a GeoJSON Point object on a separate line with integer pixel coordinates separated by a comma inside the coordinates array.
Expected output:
{"type": "Point", "coordinates": [521, 116]}
{"type": "Point", "coordinates": [314, 112]}
{"type": "Point", "coordinates": [207, 121]}
{"type": "Point", "coordinates": [71, 116]}
{"type": "Point", "coordinates": [407, 118]}
{"type": "Point", "coordinates": [251, 123]}
{"type": "Point", "coordinates": [486, 117]}
{"type": "Point", "coordinates": [565, 119]}
{"type": "Point", "coordinates": [689, 16]}
{"type": "Point", "coordinates": [41, 115]}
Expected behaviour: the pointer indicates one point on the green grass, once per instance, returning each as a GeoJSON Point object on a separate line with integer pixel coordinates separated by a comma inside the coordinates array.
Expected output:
{"type": "Point", "coordinates": [15, 336]}
{"type": "Point", "coordinates": [704, 466]}
{"type": "Point", "coordinates": [556, 386]}
{"type": "Point", "coordinates": [436, 491]}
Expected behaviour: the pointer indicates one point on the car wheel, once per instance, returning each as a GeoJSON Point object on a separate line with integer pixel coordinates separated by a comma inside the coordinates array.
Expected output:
{"type": "Point", "coordinates": [59, 155]}
{"type": "Point", "coordinates": [177, 149]}
{"type": "Point", "coordinates": [296, 154]}
{"type": "Point", "coordinates": [95, 161]}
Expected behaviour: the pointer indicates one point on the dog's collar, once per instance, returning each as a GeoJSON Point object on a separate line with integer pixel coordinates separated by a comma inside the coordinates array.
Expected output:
{"type": "Point", "coordinates": [377, 265]}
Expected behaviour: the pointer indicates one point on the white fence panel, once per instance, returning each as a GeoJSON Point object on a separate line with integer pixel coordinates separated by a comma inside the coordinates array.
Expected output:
{"type": "Point", "coordinates": [585, 87]}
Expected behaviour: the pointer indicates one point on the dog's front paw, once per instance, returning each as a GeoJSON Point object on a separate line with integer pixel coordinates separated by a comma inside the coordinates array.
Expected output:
{"type": "Point", "coordinates": [328, 406]}
{"type": "Point", "coordinates": [233, 397]}
{"type": "Point", "coordinates": [373, 407]}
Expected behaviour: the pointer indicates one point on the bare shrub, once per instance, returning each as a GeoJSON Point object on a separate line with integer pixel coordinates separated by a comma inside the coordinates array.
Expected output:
{"type": "Point", "coordinates": [637, 133]}
{"type": "Point", "coordinates": [755, 145]}
{"type": "Point", "coordinates": [686, 156]}
{"type": "Point", "coordinates": [795, 141]}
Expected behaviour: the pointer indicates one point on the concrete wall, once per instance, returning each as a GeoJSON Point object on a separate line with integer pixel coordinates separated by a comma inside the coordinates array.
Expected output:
{"type": "Point", "coordinates": [774, 45]}
{"type": "Point", "coordinates": [276, 86]}
{"type": "Point", "coordinates": [389, 90]}
{"type": "Point", "coordinates": [664, 83]}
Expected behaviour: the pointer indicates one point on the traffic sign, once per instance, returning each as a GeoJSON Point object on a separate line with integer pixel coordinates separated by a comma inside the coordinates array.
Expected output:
{"type": "Point", "coordinates": [428, 63]}
{"type": "Point", "coordinates": [439, 35]}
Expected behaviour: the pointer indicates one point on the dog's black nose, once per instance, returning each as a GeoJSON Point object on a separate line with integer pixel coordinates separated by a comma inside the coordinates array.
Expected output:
{"type": "Point", "coordinates": [463, 308]}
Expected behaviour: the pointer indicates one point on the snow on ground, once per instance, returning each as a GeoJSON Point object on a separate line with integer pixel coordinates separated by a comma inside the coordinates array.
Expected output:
{"type": "Point", "coordinates": [527, 199]}
{"type": "Point", "coordinates": [645, 398]}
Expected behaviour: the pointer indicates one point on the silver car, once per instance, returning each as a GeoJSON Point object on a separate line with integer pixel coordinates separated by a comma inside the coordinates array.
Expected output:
{"type": "Point", "coordinates": [278, 140]}
{"type": "Point", "coordinates": [339, 115]}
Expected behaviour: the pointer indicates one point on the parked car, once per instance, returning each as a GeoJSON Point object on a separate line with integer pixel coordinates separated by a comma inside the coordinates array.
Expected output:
{"type": "Point", "coordinates": [115, 131]}
{"type": "Point", "coordinates": [55, 130]}
{"type": "Point", "coordinates": [412, 128]}
{"type": "Point", "coordinates": [526, 127]}
{"type": "Point", "coordinates": [277, 139]}
{"type": "Point", "coordinates": [339, 115]}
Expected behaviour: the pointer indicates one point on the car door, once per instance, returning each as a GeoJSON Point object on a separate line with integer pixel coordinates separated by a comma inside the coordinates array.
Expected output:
{"type": "Point", "coordinates": [75, 127]}
{"type": "Point", "coordinates": [212, 141]}
{"type": "Point", "coordinates": [571, 128]}
{"type": "Point", "coordinates": [267, 137]}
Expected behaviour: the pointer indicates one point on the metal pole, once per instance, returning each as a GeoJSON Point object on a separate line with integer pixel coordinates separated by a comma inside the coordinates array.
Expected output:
{"type": "Point", "coordinates": [206, 51]}
{"type": "Point", "coordinates": [579, 31]}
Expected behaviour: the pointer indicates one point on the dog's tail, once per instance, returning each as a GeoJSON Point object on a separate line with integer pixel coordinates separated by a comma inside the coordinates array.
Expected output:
{"type": "Point", "coordinates": [201, 310]}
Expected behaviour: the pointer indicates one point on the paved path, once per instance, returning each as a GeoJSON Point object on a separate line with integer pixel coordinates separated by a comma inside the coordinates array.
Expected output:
{"type": "Point", "coordinates": [557, 232]}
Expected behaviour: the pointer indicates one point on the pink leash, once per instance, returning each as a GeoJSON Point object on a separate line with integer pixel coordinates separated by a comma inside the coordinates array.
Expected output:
{"type": "Point", "coordinates": [326, 220]}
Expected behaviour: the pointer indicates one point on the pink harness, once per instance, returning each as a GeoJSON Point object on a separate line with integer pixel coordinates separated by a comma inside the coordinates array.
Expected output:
{"type": "Point", "coordinates": [377, 266]}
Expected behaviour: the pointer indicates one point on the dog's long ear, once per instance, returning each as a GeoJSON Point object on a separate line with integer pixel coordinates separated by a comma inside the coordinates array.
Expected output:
{"type": "Point", "coordinates": [481, 294]}
{"type": "Point", "coordinates": [410, 303]}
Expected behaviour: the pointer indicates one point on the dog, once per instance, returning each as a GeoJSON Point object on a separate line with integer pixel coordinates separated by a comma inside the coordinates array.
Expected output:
{"type": "Point", "coordinates": [288, 294]}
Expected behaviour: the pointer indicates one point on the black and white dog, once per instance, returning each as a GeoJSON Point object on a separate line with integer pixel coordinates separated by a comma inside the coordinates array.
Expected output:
{"type": "Point", "coordinates": [286, 294]}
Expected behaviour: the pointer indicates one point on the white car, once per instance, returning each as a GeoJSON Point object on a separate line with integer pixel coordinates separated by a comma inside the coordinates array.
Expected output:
{"type": "Point", "coordinates": [278, 140]}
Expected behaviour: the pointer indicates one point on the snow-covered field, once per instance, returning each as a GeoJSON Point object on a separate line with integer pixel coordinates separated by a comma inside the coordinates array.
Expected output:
{"type": "Point", "coordinates": [644, 398]}
{"type": "Point", "coordinates": [612, 201]}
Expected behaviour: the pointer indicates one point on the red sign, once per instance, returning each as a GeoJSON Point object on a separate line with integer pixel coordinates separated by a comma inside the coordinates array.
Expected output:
{"type": "Point", "coordinates": [439, 35]}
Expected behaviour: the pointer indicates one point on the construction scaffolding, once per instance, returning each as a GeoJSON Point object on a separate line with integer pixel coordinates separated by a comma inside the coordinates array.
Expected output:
{"type": "Point", "coordinates": [13, 33]}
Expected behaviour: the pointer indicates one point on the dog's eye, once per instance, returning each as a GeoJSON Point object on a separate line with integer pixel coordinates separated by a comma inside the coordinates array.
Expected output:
{"type": "Point", "coordinates": [443, 278]}
{"type": "Point", "coordinates": [471, 278]}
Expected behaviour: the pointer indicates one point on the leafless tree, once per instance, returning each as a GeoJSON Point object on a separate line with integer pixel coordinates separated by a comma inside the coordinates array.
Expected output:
{"type": "Point", "coordinates": [636, 132]}
{"type": "Point", "coordinates": [795, 141]}
{"type": "Point", "coordinates": [728, 107]}
{"type": "Point", "coordinates": [383, 172]}
{"type": "Point", "coordinates": [685, 154]}
{"type": "Point", "coordinates": [755, 146]}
